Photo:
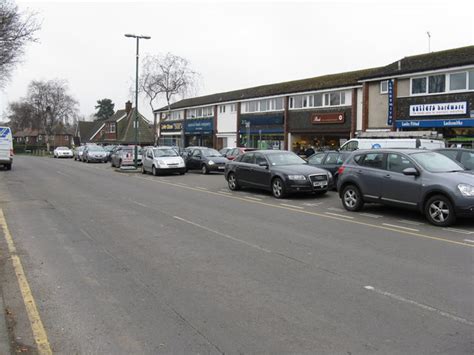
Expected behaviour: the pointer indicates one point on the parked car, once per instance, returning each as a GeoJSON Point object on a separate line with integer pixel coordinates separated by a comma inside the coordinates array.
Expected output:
{"type": "Point", "coordinates": [123, 156]}
{"type": "Point", "coordinates": [108, 151]}
{"type": "Point", "coordinates": [329, 160]}
{"type": "Point", "coordinates": [94, 153]}
{"type": "Point", "coordinates": [206, 160]}
{"type": "Point", "coordinates": [6, 147]}
{"type": "Point", "coordinates": [278, 171]}
{"type": "Point", "coordinates": [62, 152]}
{"type": "Point", "coordinates": [390, 143]}
{"type": "Point", "coordinates": [77, 152]}
{"type": "Point", "coordinates": [234, 153]}
{"type": "Point", "coordinates": [461, 155]}
{"type": "Point", "coordinates": [159, 160]}
{"type": "Point", "coordinates": [224, 151]}
{"type": "Point", "coordinates": [416, 179]}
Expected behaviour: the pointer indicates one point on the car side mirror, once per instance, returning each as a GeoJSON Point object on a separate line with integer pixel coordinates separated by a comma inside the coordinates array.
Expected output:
{"type": "Point", "coordinates": [410, 172]}
{"type": "Point", "coordinates": [198, 156]}
{"type": "Point", "coordinates": [263, 164]}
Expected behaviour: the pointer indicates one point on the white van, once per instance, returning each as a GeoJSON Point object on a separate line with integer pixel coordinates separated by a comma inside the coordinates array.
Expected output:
{"type": "Point", "coordinates": [374, 143]}
{"type": "Point", "coordinates": [6, 147]}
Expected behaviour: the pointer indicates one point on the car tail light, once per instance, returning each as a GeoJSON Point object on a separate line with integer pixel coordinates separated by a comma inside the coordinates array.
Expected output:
{"type": "Point", "coordinates": [341, 170]}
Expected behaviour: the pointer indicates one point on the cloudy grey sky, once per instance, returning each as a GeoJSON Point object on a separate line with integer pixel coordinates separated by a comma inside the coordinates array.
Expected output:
{"type": "Point", "coordinates": [232, 44]}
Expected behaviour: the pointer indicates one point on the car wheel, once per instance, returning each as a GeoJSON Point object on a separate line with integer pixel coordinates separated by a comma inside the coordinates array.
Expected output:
{"type": "Point", "coordinates": [278, 188]}
{"type": "Point", "coordinates": [232, 182]}
{"type": "Point", "coordinates": [154, 171]}
{"type": "Point", "coordinates": [8, 167]}
{"type": "Point", "coordinates": [204, 169]}
{"type": "Point", "coordinates": [352, 199]}
{"type": "Point", "coordinates": [119, 164]}
{"type": "Point", "coordinates": [439, 211]}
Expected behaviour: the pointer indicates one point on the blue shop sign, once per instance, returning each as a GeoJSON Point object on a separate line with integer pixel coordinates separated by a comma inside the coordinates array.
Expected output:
{"type": "Point", "coordinates": [435, 123]}
{"type": "Point", "coordinates": [205, 126]}
{"type": "Point", "coordinates": [262, 130]}
{"type": "Point", "coordinates": [261, 120]}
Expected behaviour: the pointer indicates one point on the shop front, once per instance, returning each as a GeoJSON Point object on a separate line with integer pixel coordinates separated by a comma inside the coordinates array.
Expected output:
{"type": "Point", "coordinates": [319, 130]}
{"type": "Point", "coordinates": [451, 117]}
{"type": "Point", "coordinates": [263, 131]}
{"type": "Point", "coordinates": [170, 133]}
{"type": "Point", "coordinates": [199, 132]}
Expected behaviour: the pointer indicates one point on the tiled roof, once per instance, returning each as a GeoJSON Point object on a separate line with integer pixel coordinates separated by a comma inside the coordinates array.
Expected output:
{"type": "Point", "coordinates": [145, 134]}
{"type": "Point", "coordinates": [331, 81]}
{"type": "Point", "coordinates": [424, 62]}
{"type": "Point", "coordinates": [116, 116]}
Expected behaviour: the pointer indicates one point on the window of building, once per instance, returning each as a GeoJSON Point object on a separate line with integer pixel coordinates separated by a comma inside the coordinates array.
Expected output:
{"type": "Point", "coordinates": [264, 105]}
{"type": "Point", "coordinates": [335, 99]}
{"type": "Point", "coordinates": [176, 115]}
{"type": "Point", "coordinates": [222, 109]}
{"type": "Point", "coordinates": [471, 79]}
{"type": "Point", "coordinates": [317, 100]}
{"type": "Point", "coordinates": [436, 83]}
{"type": "Point", "coordinates": [418, 86]}
{"type": "Point", "coordinates": [384, 87]}
{"type": "Point", "coordinates": [200, 112]}
{"type": "Point", "coordinates": [457, 81]}
{"type": "Point", "coordinates": [112, 127]}
{"type": "Point", "coordinates": [232, 107]}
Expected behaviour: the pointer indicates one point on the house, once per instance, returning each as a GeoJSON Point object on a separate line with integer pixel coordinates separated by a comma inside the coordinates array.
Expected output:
{"type": "Point", "coordinates": [62, 136]}
{"type": "Point", "coordinates": [117, 129]}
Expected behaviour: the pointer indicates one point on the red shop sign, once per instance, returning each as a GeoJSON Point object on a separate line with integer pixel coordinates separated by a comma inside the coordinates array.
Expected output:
{"type": "Point", "coordinates": [324, 118]}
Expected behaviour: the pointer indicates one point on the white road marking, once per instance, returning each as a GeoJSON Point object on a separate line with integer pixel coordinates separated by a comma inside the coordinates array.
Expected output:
{"type": "Point", "coordinates": [138, 203]}
{"type": "Point", "coordinates": [371, 215]}
{"type": "Point", "coordinates": [64, 174]}
{"type": "Point", "coordinates": [461, 231]}
{"type": "Point", "coordinates": [397, 226]}
{"type": "Point", "coordinates": [420, 305]}
{"type": "Point", "coordinates": [253, 198]}
{"type": "Point", "coordinates": [312, 204]}
{"type": "Point", "coordinates": [222, 234]}
{"type": "Point", "coordinates": [468, 240]}
{"type": "Point", "coordinates": [291, 206]}
{"type": "Point", "coordinates": [339, 215]}
{"type": "Point", "coordinates": [200, 188]}
{"type": "Point", "coordinates": [337, 209]}
{"type": "Point", "coordinates": [407, 221]}
{"type": "Point", "coordinates": [225, 192]}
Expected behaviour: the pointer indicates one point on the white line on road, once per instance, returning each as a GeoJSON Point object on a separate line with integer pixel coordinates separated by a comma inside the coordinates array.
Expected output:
{"type": "Point", "coordinates": [222, 234]}
{"type": "Point", "coordinates": [461, 231]}
{"type": "Point", "coordinates": [200, 188]}
{"type": "Point", "coordinates": [64, 174]}
{"type": "Point", "coordinates": [407, 221]}
{"type": "Point", "coordinates": [291, 206]}
{"type": "Point", "coordinates": [312, 204]}
{"type": "Point", "coordinates": [138, 203]}
{"type": "Point", "coordinates": [225, 192]}
{"type": "Point", "coordinates": [397, 226]}
{"type": "Point", "coordinates": [468, 240]}
{"type": "Point", "coordinates": [337, 209]}
{"type": "Point", "coordinates": [253, 198]}
{"type": "Point", "coordinates": [371, 215]}
{"type": "Point", "coordinates": [420, 305]}
{"type": "Point", "coordinates": [339, 215]}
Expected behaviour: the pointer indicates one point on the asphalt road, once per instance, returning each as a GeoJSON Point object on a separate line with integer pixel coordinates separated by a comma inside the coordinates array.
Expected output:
{"type": "Point", "coordinates": [129, 263]}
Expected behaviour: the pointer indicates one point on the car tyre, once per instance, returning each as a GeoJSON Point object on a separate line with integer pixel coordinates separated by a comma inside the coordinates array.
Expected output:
{"type": "Point", "coordinates": [439, 211]}
{"type": "Point", "coordinates": [154, 171]}
{"type": "Point", "coordinates": [232, 182]}
{"type": "Point", "coordinates": [119, 164]}
{"type": "Point", "coordinates": [278, 188]}
{"type": "Point", "coordinates": [352, 198]}
{"type": "Point", "coordinates": [204, 169]}
{"type": "Point", "coordinates": [8, 167]}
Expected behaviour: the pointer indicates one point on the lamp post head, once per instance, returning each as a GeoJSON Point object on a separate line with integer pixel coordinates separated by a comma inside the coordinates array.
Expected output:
{"type": "Point", "coordinates": [129, 35]}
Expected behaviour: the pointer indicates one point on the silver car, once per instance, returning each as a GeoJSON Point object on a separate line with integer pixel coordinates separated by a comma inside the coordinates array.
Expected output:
{"type": "Point", "coordinates": [159, 160]}
{"type": "Point", "coordinates": [94, 153]}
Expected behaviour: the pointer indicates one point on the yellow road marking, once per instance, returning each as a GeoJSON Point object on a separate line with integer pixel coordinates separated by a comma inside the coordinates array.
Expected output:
{"type": "Point", "coordinates": [39, 332]}
{"type": "Point", "coordinates": [413, 234]}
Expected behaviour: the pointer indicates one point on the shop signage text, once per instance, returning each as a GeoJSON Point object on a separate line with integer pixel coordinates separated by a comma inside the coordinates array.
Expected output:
{"type": "Point", "coordinates": [435, 123]}
{"type": "Point", "coordinates": [261, 120]}
{"type": "Point", "coordinates": [447, 108]}
{"type": "Point", "coordinates": [199, 126]}
{"type": "Point", "coordinates": [327, 118]}
{"type": "Point", "coordinates": [390, 103]}
{"type": "Point", "coordinates": [171, 126]}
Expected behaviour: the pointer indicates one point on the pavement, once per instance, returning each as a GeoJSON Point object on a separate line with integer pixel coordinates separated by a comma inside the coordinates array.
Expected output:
{"type": "Point", "coordinates": [132, 263]}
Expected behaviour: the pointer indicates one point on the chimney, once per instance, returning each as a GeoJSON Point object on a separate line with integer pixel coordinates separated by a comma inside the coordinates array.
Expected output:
{"type": "Point", "coordinates": [128, 107]}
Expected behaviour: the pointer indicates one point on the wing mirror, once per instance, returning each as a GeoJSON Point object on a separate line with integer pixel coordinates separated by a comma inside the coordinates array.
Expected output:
{"type": "Point", "coordinates": [410, 172]}
{"type": "Point", "coordinates": [263, 164]}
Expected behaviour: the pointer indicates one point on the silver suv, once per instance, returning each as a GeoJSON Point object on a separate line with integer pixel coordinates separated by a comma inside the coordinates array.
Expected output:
{"type": "Point", "coordinates": [416, 179]}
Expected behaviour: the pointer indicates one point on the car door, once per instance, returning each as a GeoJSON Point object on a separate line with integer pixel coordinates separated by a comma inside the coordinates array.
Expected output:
{"type": "Point", "coordinates": [330, 162]}
{"type": "Point", "coordinates": [148, 160]}
{"type": "Point", "coordinates": [195, 159]}
{"type": "Point", "coordinates": [244, 168]}
{"type": "Point", "coordinates": [259, 175]}
{"type": "Point", "coordinates": [370, 174]}
{"type": "Point", "coordinates": [398, 188]}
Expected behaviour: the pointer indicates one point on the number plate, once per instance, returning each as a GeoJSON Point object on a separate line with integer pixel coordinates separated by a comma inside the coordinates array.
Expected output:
{"type": "Point", "coordinates": [221, 167]}
{"type": "Point", "coordinates": [320, 183]}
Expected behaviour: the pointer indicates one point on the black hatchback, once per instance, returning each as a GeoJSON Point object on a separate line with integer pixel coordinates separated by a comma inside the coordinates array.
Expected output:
{"type": "Point", "coordinates": [204, 159]}
{"type": "Point", "coordinates": [329, 160]}
{"type": "Point", "coordinates": [278, 171]}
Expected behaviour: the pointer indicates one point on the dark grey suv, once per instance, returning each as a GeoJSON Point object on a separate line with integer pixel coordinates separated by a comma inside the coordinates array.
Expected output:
{"type": "Point", "coordinates": [421, 180]}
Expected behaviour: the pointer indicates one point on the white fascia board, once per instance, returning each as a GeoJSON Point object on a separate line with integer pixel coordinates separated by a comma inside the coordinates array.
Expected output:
{"type": "Point", "coordinates": [420, 73]}
{"type": "Point", "coordinates": [121, 118]}
{"type": "Point", "coordinates": [267, 97]}
{"type": "Point", "coordinates": [103, 124]}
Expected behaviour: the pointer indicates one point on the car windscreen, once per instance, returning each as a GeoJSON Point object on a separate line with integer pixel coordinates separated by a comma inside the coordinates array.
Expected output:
{"type": "Point", "coordinates": [435, 162]}
{"type": "Point", "coordinates": [165, 153]}
{"type": "Point", "coordinates": [211, 153]}
{"type": "Point", "coordinates": [285, 159]}
{"type": "Point", "coordinates": [62, 148]}
{"type": "Point", "coordinates": [95, 149]}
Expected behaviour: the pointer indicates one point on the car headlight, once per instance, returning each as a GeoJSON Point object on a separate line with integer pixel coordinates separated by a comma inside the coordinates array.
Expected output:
{"type": "Point", "coordinates": [160, 162]}
{"type": "Point", "coordinates": [211, 162]}
{"type": "Point", "coordinates": [296, 177]}
{"type": "Point", "coordinates": [466, 189]}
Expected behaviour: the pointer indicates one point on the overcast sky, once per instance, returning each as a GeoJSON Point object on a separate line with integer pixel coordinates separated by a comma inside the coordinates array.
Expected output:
{"type": "Point", "coordinates": [231, 44]}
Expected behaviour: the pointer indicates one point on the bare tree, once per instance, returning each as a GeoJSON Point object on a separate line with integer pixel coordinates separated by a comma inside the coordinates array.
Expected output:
{"type": "Point", "coordinates": [16, 30]}
{"type": "Point", "coordinates": [21, 115]}
{"type": "Point", "coordinates": [52, 105]}
{"type": "Point", "coordinates": [166, 76]}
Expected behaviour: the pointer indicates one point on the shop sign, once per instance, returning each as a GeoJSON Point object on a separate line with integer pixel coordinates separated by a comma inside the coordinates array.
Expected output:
{"type": "Point", "coordinates": [390, 103]}
{"type": "Point", "coordinates": [199, 126]}
{"type": "Point", "coordinates": [435, 123]}
{"type": "Point", "coordinates": [327, 118]}
{"type": "Point", "coordinates": [437, 109]}
{"type": "Point", "coordinates": [171, 126]}
{"type": "Point", "coordinates": [262, 120]}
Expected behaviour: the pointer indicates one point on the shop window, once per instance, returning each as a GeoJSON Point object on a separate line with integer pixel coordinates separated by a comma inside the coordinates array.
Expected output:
{"type": "Point", "coordinates": [471, 79]}
{"type": "Point", "coordinates": [418, 86]}
{"type": "Point", "coordinates": [457, 81]}
{"type": "Point", "coordinates": [436, 83]}
{"type": "Point", "coordinates": [384, 87]}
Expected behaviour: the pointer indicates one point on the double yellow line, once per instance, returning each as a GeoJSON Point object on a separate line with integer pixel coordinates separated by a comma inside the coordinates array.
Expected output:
{"type": "Point", "coordinates": [37, 327]}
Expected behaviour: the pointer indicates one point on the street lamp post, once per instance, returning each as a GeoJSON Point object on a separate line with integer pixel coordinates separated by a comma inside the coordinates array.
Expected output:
{"type": "Point", "coordinates": [136, 95]}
